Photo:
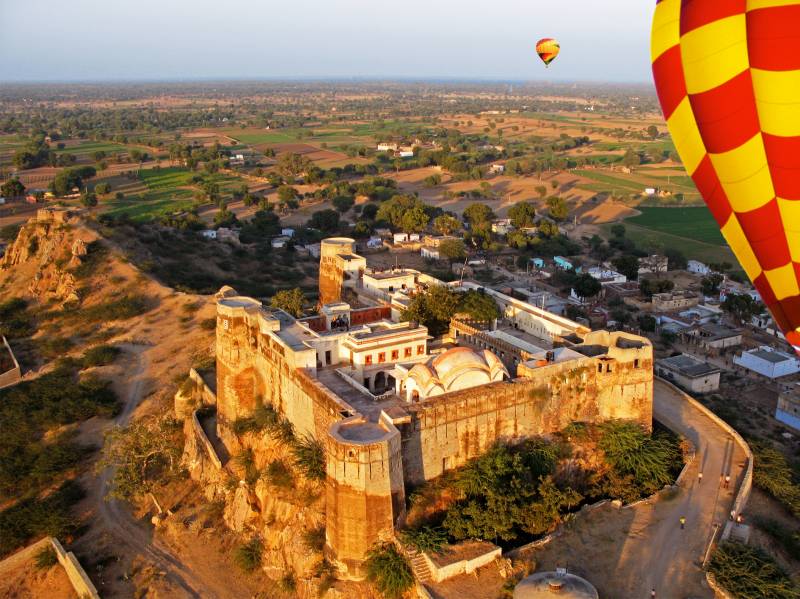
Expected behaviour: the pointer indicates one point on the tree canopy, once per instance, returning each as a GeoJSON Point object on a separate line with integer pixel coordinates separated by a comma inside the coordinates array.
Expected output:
{"type": "Point", "coordinates": [522, 215]}
{"type": "Point", "coordinates": [289, 300]}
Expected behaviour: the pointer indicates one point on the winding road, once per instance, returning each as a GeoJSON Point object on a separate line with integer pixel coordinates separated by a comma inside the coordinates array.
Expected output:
{"type": "Point", "coordinates": [664, 556]}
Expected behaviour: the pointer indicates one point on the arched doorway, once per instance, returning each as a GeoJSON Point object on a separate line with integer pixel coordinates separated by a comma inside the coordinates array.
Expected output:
{"type": "Point", "coordinates": [379, 386]}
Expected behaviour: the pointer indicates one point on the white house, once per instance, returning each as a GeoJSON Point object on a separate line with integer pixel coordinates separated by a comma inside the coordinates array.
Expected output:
{"type": "Point", "coordinates": [279, 242]}
{"type": "Point", "coordinates": [606, 276]}
{"type": "Point", "coordinates": [287, 232]}
{"type": "Point", "coordinates": [768, 362]}
{"type": "Point", "coordinates": [788, 410]}
{"type": "Point", "coordinates": [502, 226]}
{"type": "Point", "coordinates": [698, 268]}
{"type": "Point", "coordinates": [690, 373]}
{"type": "Point", "coordinates": [649, 191]}
{"type": "Point", "coordinates": [387, 147]}
{"type": "Point", "coordinates": [497, 169]}
{"type": "Point", "coordinates": [400, 237]}
{"type": "Point", "coordinates": [430, 253]}
{"type": "Point", "coordinates": [374, 243]}
{"type": "Point", "coordinates": [209, 233]}
{"type": "Point", "coordinates": [406, 153]}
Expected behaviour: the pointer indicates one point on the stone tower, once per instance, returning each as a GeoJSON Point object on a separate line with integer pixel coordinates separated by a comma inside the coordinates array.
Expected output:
{"type": "Point", "coordinates": [331, 268]}
{"type": "Point", "coordinates": [365, 493]}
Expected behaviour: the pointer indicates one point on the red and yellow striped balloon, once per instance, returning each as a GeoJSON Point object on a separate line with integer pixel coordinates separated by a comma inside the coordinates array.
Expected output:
{"type": "Point", "coordinates": [728, 78]}
{"type": "Point", "coordinates": [548, 49]}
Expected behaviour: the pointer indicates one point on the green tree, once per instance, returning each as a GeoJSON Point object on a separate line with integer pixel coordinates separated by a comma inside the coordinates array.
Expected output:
{"type": "Point", "coordinates": [676, 259]}
{"type": "Point", "coordinates": [618, 230]}
{"type": "Point", "coordinates": [750, 573]}
{"type": "Point", "coordinates": [541, 190]}
{"type": "Point", "coordinates": [649, 287]}
{"type": "Point", "coordinates": [446, 224]}
{"type": "Point", "coordinates": [586, 286]}
{"type": "Point", "coordinates": [404, 213]}
{"type": "Point", "coordinates": [557, 208]}
{"type": "Point", "coordinates": [478, 213]}
{"type": "Point", "coordinates": [452, 249]}
{"type": "Point", "coordinates": [631, 158]}
{"type": "Point", "coordinates": [293, 165]}
{"type": "Point", "coordinates": [102, 188]}
{"type": "Point", "coordinates": [343, 203]}
{"type": "Point", "coordinates": [479, 306]}
{"type": "Point", "coordinates": [522, 215]}
{"type": "Point", "coordinates": [12, 188]}
{"type": "Point", "coordinates": [628, 265]}
{"type": "Point", "coordinates": [742, 306]}
{"type": "Point", "coordinates": [652, 131]}
{"type": "Point", "coordinates": [286, 193]}
{"type": "Point", "coordinates": [289, 300]}
{"type": "Point", "coordinates": [89, 199]}
{"type": "Point", "coordinates": [433, 308]}
{"type": "Point", "coordinates": [710, 284]}
{"type": "Point", "coordinates": [324, 220]}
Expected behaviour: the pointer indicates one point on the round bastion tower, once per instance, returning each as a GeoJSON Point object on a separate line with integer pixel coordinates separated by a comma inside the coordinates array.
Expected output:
{"type": "Point", "coordinates": [331, 273]}
{"type": "Point", "coordinates": [365, 493]}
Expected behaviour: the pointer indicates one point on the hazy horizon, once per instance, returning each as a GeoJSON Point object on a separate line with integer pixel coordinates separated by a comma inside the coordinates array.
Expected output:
{"type": "Point", "coordinates": [201, 40]}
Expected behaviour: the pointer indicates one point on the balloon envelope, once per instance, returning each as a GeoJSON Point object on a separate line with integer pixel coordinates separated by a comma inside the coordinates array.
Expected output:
{"type": "Point", "coordinates": [728, 79]}
{"type": "Point", "coordinates": [548, 49]}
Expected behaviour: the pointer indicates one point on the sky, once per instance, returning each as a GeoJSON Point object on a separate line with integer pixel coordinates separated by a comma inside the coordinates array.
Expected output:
{"type": "Point", "coordinates": [90, 40]}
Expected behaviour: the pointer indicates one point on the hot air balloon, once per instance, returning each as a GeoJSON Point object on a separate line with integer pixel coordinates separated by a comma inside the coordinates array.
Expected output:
{"type": "Point", "coordinates": [548, 49]}
{"type": "Point", "coordinates": [728, 79]}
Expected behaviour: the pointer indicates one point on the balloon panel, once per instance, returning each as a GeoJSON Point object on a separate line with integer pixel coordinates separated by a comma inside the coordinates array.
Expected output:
{"type": "Point", "coordinates": [728, 79]}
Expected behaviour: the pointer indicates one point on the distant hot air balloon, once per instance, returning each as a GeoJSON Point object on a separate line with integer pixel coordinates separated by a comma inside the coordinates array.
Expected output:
{"type": "Point", "coordinates": [728, 78]}
{"type": "Point", "coordinates": [548, 49]}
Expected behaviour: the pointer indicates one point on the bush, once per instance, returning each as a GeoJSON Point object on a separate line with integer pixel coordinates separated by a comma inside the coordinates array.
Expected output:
{"type": "Point", "coordinates": [425, 539]}
{"type": "Point", "coordinates": [100, 355]}
{"type": "Point", "coordinates": [773, 474]}
{"type": "Point", "coordinates": [388, 571]}
{"type": "Point", "coordinates": [314, 539]}
{"type": "Point", "coordinates": [309, 457]}
{"type": "Point", "coordinates": [249, 555]}
{"type": "Point", "coordinates": [32, 517]}
{"type": "Point", "coordinates": [14, 322]}
{"type": "Point", "coordinates": [120, 309]}
{"type": "Point", "coordinates": [288, 583]}
{"type": "Point", "coordinates": [749, 573]}
{"type": "Point", "coordinates": [279, 474]}
{"type": "Point", "coordinates": [45, 558]}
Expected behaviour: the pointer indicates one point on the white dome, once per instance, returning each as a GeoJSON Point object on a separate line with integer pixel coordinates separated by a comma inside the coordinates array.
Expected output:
{"type": "Point", "coordinates": [553, 585]}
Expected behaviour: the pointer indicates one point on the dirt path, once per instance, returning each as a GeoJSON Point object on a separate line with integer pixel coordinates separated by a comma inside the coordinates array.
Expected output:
{"type": "Point", "coordinates": [115, 517]}
{"type": "Point", "coordinates": [627, 552]}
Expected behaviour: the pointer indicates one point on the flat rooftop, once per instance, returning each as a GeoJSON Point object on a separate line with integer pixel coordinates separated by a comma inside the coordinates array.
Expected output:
{"type": "Point", "coordinates": [688, 366]}
{"type": "Point", "coordinates": [397, 274]}
{"type": "Point", "coordinates": [292, 332]}
{"type": "Point", "coordinates": [774, 357]}
{"type": "Point", "coordinates": [516, 341]}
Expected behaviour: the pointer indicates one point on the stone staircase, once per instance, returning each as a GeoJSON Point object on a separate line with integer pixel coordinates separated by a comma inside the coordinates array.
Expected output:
{"type": "Point", "coordinates": [418, 564]}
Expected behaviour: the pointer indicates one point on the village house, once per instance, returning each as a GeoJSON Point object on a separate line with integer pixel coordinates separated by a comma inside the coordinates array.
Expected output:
{"type": "Point", "coordinates": [788, 410]}
{"type": "Point", "coordinates": [768, 362]}
{"type": "Point", "coordinates": [690, 373]}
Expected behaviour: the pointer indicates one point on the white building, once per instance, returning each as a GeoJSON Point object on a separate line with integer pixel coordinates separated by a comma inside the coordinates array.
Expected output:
{"type": "Point", "coordinates": [279, 242]}
{"type": "Point", "coordinates": [387, 147]}
{"type": "Point", "coordinates": [430, 253]}
{"type": "Point", "coordinates": [374, 243]}
{"type": "Point", "coordinates": [768, 362]}
{"type": "Point", "coordinates": [606, 276]}
{"type": "Point", "coordinates": [497, 169]}
{"type": "Point", "coordinates": [406, 153]}
{"type": "Point", "coordinates": [209, 233]}
{"type": "Point", "coordinates": [649, 191]}
{"type": "Point", "coordinates": [502, 226]}
{"type": "Point", "coordinates": [698, 268]}
{"type": "Point", "coordinates": [287, 232]}
{"type": "Point", "coordinates": [788, 410]}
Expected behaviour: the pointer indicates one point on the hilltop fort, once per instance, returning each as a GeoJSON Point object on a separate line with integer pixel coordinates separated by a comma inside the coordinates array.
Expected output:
{"type": "Point", "coordinates": [393, 407]}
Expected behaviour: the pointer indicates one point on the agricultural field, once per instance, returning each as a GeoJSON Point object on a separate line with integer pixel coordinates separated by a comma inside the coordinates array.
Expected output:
{"type": "Point", "coordinates": [155, 193]}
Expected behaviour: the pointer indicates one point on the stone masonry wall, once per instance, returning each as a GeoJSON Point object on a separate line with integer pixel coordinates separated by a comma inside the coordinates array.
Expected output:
{"type": "Point", "coordinates": [446, 432]}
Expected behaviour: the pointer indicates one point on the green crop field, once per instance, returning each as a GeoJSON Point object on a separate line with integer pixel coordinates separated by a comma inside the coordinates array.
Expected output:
{"type": "Point", "coordinates": [691, 223]}
{"type": "Point", "coordinates": [150, 205]}
{"type": "Point", "coordinates": [610, 183]}
{"type": "Point", "coordinates": [93, 146]}
{"type": "Point", "coordinates": [164, 178]}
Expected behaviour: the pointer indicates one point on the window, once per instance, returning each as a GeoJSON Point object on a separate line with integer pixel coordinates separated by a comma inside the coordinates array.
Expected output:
{"type": "Point", "coordinates": [395, 354]}
{"type": "Point", "coordinates": [608, 367]}
{"type": "Point", "coordinates": [599, 367]}
{"type": "Point", "coordinates": [407, 353]}
{"type": "Point", "coordinates": [420, 350]}
{"type": "Point", "coordinates": [225, 324]}
{"type": "Point", "coordinates": [636, 363]}
{"type": "Point", "coordinates": [368, 360]}
{"type": "Point", "coordinates": [381, 357]}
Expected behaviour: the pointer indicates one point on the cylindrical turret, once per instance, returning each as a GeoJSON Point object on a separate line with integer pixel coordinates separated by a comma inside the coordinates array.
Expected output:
{"type": "Point", "coordinates": [365, 493]}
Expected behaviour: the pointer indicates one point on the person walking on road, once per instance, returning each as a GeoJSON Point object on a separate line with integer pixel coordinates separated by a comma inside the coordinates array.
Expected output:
{"type": "Point", "coordinates": [683, 522]}
{"type": "Point", "coordinates": [653, 594]}
{"type": "Point", "coordinates": [727, 480]}
{"type": "Point", "coordinates": [699, 477]}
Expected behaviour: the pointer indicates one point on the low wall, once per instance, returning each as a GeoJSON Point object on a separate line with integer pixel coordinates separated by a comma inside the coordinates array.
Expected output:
{"type": "Point", "coordinates": [204, 441]}
{"type": "Point", "coordinates": [83, 586]}
{"type": "Point", "coordinates": [77, 575]}
{"type": "Point", "coordinates": [206, 394]}
{"type": "Point", "coordinates": [14, 374]}
{"type": "Point", "coordinates": [464, 566]}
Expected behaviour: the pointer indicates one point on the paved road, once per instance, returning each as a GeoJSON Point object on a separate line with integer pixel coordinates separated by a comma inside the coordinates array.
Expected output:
{"type": "Point", "coordinates": [663, 556]}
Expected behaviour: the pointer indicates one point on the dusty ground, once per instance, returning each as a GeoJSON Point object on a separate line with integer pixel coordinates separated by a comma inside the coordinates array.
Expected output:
{"type": "Point", "coordinates": [27, 582]}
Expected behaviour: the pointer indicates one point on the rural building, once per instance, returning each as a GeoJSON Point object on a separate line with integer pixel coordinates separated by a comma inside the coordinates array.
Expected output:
{"type": "Point", "coordinates": [209, 233]}
{"type": "Point", "coordinates": [279, 242]}
{"type": "Point", "coordinates": [714, 336]}
{"type": "Point", "coordinates": [374, 243]}
{"type": "Point", "coordinates": [673, 301]}
{"type": "Point", "coordinates": [606, 276]}
{"type": "Point", "coordinates": [562, 263]}
{"type": "Point", "coordinates": [387, 147]}
{"type": "Point", "coordinates": [768, 362]}
{"type": "Point", "coordinates": [654, 264]}
{"type": "Point", "coordinates": [690, 373]}
{"type": "Point", "coordinates": [537, 262]}
{"type": "Point", "coordinates": [502, 226]}
{"type": "Point", "coordinates": [698, 268]}
{"type": "Point", "coordinates": [788, 411]}
{"type": "Point", "coordinates": [430, 253]}
{"type": "Point", "coordinates": [497, 169]}
{"type": "Point", "coordinates": [287, 232]}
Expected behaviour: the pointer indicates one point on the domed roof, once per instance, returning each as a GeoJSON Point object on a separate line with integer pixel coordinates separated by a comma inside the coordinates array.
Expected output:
{"type": "Point", "coordinates": [455, 358]}
{"type": "Point", "coordinates": [554, 585]}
